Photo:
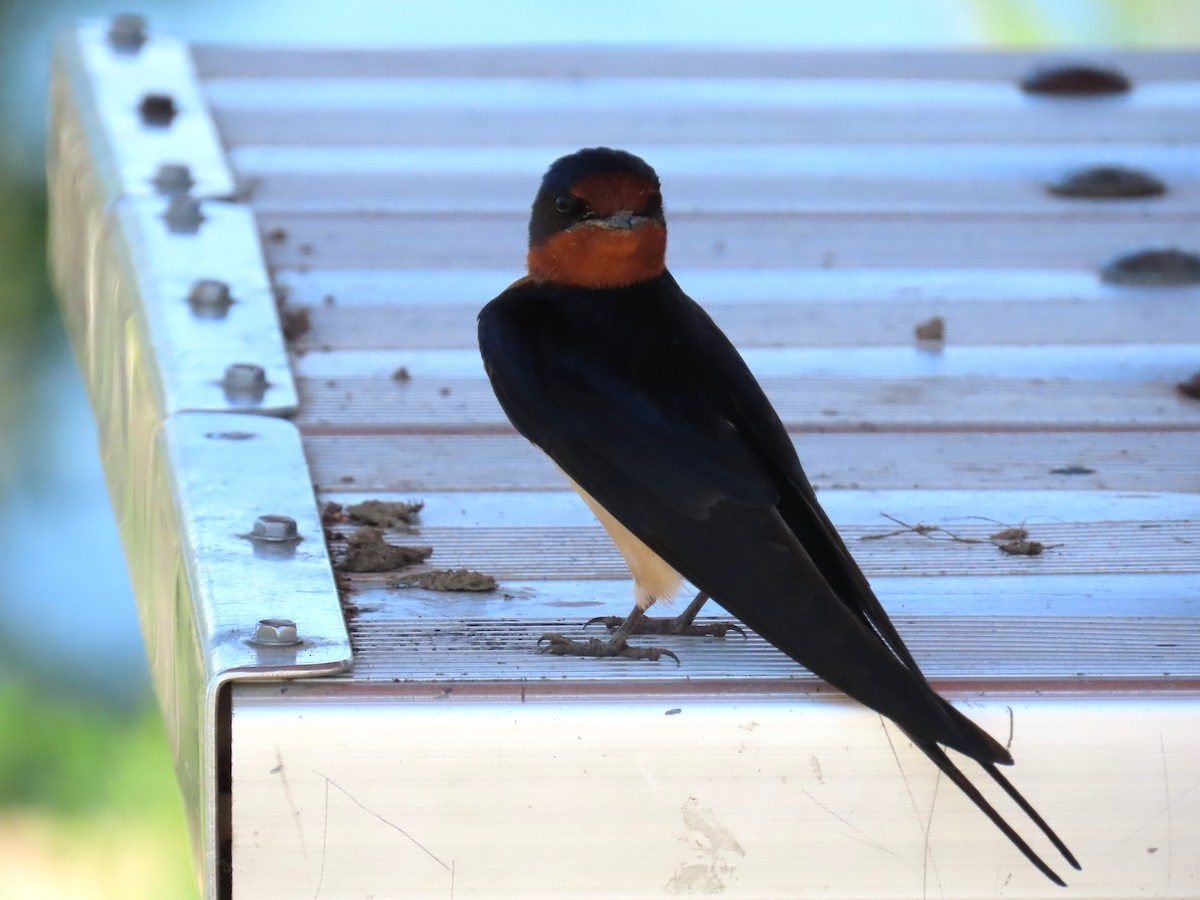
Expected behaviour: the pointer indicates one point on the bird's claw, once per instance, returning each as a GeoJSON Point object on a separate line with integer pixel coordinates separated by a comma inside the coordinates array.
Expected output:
{"type": "Point", "coordinates": [558, 645]}
{"type": "Point", "coordinates": [663, 625]}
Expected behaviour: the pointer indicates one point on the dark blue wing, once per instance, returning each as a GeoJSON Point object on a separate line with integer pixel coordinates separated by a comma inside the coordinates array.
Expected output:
{"type": "Point", "coordinates": [641, 399]}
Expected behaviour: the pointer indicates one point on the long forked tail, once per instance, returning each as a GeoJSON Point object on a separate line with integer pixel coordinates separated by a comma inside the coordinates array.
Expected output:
{"type": "Point", "coordinates": [943, 762]}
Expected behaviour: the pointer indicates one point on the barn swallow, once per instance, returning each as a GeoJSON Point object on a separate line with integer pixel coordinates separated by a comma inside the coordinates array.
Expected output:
{"type": "Point", "coordinates": [600, 359]}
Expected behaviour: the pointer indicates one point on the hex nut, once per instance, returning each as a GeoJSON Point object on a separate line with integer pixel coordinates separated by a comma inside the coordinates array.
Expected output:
{"type": "Point", "coordinates": [173, 178]}
{"type": "Point", "coordinates": [127, 32]}
{"type": "Point", "coordinates": [245, 376]}
{"type": "Point", "coordinates": [274, 528]}
{"type": "Point", "coordinates": [183, 214]}
{"type": "Point", "coordinates": [158, 110]}
{"type": "Point", "coordinates": [210, 298]}
{"type": "Point", "coordinates": [276, 633]}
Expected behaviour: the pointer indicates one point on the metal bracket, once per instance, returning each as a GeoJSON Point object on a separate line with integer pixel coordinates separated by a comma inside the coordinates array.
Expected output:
{"type": "Point", "coordinates": [196, 347]}
{"type": "Point", "coordinates": [145, 224]}
{"type": "Point", "coordinates": [124, 94]}
{"type": "Point", "coordinates": [233, 583]}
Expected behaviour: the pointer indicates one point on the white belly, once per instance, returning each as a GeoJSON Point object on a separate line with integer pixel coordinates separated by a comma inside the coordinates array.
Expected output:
{"type": "Point", "coordinates": [653, 578]}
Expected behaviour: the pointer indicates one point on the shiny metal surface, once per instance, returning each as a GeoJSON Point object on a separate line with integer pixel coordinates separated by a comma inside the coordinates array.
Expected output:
{"type": "Point", "coordinates": [226, 469]}
{"type": "Point", "coordinates": [605, 60]}
{"type": "Point", "coordinates": [818, 232]}
{"type": "Point", "coordinates": [118, 263]}
{"type": "Point", "coordinates": [1097, 362]}
{"type": "Point", "coordinates": [746, 167]}
{"type": "Point", "coordinates": [1124, 461]}
{"type": "Point", "coordinates": [588, 96]}
{"type": "Point", "coordinates": [524, 791]}
{"type": "Point", "coordinates": [194, 352]}
{"type": "Point", "coordinates": [204, 585]}
{"type": "Point", "coordinates": [1113, 598]}
{"type": "Point", "coordinates": [109, 86]}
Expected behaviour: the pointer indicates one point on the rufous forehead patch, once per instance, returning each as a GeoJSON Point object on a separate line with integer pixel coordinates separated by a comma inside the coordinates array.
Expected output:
{"type": "Point", "coordinates": [610, 192]}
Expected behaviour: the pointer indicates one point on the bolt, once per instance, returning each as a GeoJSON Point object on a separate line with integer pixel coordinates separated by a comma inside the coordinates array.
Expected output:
{"type": "Point", "coordinates": [127, 32]}
{"type": "Point", "coordinates": [210, 298]}
{"type": "Point", "coordinates": [183, 214]}
{"type": "Point", "coordinates": [1107, 182]}
{"type": "Point", "coordinates": [158, 109]}
{"type": "Point", "coordinates": [276, 633]}
{"type": "Point", "coordinates": [1075, 80]}
{"type": "Point", "coordinates": [245, 376]}
{"type": "Point", "coordinates": [245, 384]}
{"type": "Point", "coordinates": [1153, 267]}
{"type": "Point", "coordinates": [173, 178]}
{"type": "Point", "coordinates": [275, 528]}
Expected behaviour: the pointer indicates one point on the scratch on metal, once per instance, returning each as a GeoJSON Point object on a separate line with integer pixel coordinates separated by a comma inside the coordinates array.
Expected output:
{"type": "Point", "coordinates": [864, 839]}
{"type": "Point", "coordinates": [449, 867]}
{"type": "Point", "coordinates": [927, 855]}
{"type": "Point", "coordinates": [324, 835]}
{"type": "Point", "coordinates": [281, 770]}
{"type": "Point", "coordinates": [928, 858]}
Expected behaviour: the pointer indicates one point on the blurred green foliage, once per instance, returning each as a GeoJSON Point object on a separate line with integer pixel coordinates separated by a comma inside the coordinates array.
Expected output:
{"type": "Point", "coordinates": [26, 301]}
{"type": "Point", "coordinates": [73, 755]}
{"type": "Point", "coordinates": [89, 807]}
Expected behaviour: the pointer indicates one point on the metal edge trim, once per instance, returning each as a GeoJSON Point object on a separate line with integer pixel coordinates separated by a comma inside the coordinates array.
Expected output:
{"type": "Point", "coordinates": [115, 294]}
{"type": "Point", "coordinates": [215, 471]}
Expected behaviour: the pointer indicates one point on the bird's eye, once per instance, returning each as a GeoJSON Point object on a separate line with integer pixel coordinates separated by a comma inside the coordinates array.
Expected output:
{"type": "Point", "coordinates": [653, 204]}
{"type": "Point", "coordinates": [564, 204]}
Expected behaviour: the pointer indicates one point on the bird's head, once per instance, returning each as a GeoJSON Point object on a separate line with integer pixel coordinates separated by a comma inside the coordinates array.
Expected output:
{"type": "Point", "coordinates": [598, 221]}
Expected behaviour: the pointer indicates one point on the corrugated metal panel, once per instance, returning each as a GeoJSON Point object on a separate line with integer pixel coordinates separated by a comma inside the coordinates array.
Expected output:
{"type": "Point", "coordinates": [1040, 460]}
{"type": "Point", "coordinates": [1085, 525]}
{"type": "Point", "coordinates": [591, 61]}
{"type": "Point", "coordinates": [1075, 239]}
{"type": "Point", "coordinates": [821, 217]}
{"type": "Point", "coordinates": [369, 405]}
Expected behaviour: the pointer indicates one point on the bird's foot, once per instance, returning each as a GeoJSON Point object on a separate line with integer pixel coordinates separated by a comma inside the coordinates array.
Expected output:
{"type": "Point", "coordinates": [558, 645]}
{"type": "Point", "coordinates": [664, 625]}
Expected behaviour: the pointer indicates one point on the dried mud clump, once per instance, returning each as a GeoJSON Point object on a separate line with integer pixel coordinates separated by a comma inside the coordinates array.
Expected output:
{"type": "Point", "coordinates": [1010, 534]}
{"type": "Point", "coordinates": [385, 514]}
{"type": "Point", "coordinates": [1022, 548]}
{"type": "Point", "coordinates": [448, 580]}
{"type": "Point", "coordinates": [367, 551]}
{"type": "Point", "coordinates": [1015, 542]}
{"type": "Point", "coordinates": [933, 329]}
{"type": "Point", "coordinates": [332, 513]}
{"type": "Point", "coordinates": [295, 322]}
